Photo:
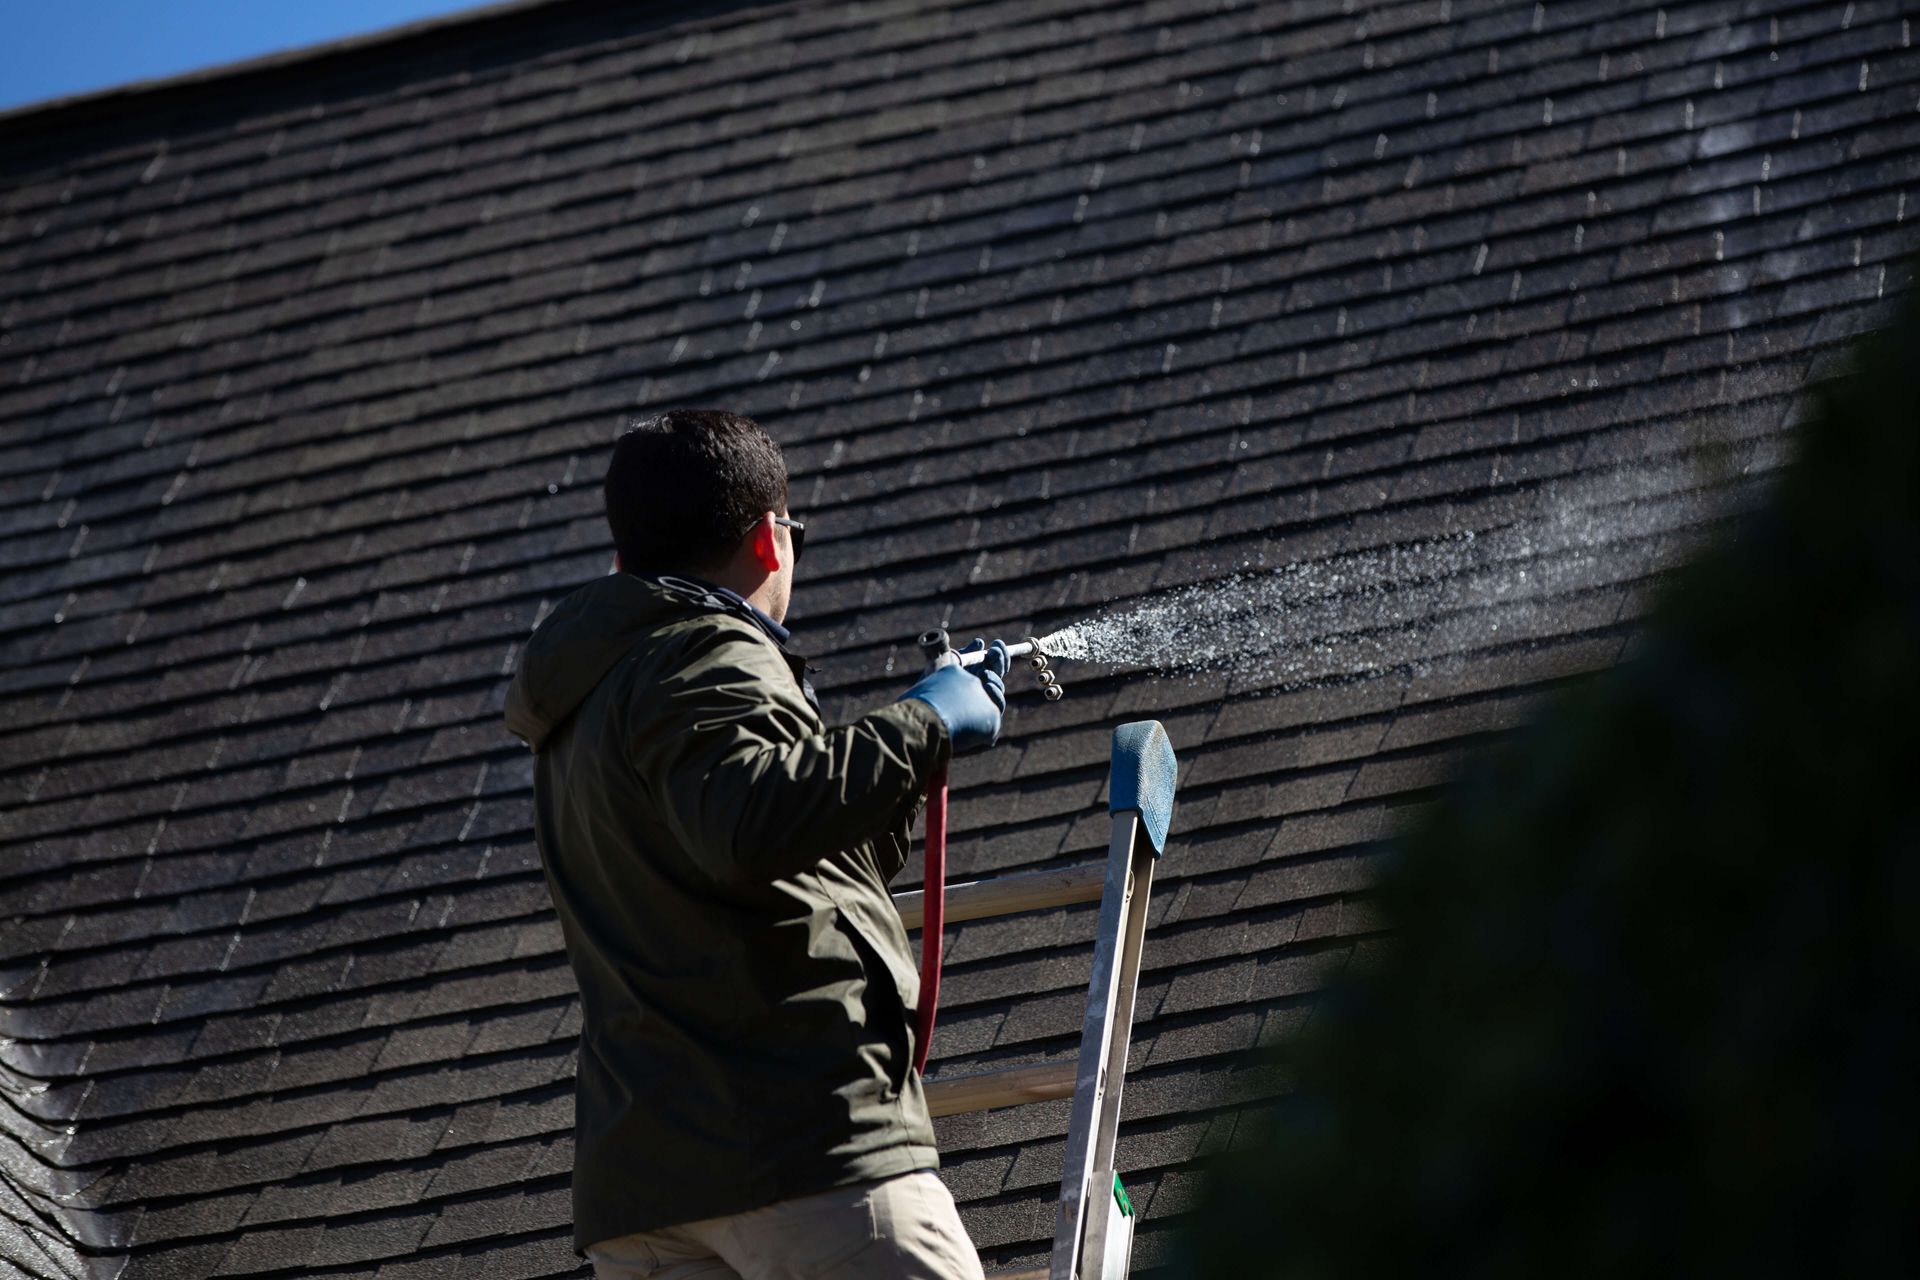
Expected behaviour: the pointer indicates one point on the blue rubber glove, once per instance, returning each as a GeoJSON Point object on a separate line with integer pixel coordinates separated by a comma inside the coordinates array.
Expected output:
{"type": "Point", "coordinates": [969, 699]}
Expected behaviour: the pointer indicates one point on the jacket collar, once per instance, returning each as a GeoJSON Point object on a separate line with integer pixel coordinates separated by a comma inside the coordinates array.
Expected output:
{"type": "Point", "coordinates": [739, 602]}
{"type": "Point", "coordinates": [709, 595]}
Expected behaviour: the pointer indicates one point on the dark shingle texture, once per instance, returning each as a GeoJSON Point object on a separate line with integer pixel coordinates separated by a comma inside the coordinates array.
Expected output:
{"type": "Point", "coordinates": [309, 377]}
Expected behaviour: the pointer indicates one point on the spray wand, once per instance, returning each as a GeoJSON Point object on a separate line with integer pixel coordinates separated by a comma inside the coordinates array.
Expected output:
{"type": "Point", "coordinates": [940, 652]}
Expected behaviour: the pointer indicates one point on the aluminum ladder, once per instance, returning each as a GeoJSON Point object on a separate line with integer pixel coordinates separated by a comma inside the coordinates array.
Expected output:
{"type": "Point", "coordinates": [1093, 1225]}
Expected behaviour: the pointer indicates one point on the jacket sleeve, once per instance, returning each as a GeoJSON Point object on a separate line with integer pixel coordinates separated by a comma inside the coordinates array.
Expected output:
{"type": "Point", "coordinates": [895, 844]}
{"type": "Point", "coordinates": [737, 768]}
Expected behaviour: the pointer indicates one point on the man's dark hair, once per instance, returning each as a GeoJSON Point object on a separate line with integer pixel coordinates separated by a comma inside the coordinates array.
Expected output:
{"type": "Point", "coordinates": [683, 486]}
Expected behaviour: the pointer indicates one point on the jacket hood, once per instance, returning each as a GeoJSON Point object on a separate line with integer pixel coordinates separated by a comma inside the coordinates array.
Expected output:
{"type": "Point", "coordinates": [585, 636]}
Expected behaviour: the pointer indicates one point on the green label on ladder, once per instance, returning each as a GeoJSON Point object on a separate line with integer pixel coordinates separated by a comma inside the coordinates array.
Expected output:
{"type": "Point", "coordinates": [1120, 1197]}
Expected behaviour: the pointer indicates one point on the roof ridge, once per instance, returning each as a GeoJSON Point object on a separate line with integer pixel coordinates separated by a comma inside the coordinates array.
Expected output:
{"type": "Point", "coordinates": [275, 60]}
{"type": "Point", "coordinates": [114, 101]}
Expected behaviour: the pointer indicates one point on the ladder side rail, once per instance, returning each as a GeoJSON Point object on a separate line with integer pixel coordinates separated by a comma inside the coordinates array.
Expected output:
{"type": "Point", "coordinates": [1108, 1232]}
{"type": "Point", "coordinates": [1132, 943]}
{"type": "Point", "coordinates": [1096, 1036]}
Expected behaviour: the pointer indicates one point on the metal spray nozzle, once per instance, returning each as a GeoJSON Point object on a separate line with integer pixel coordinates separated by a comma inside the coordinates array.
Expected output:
{"type": "Point", "coordinates": [939, 652]}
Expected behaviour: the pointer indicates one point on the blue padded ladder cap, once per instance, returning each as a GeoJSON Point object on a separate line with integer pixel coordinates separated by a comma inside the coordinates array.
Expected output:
{"type": "Point", "coordinates": [1143, 776]}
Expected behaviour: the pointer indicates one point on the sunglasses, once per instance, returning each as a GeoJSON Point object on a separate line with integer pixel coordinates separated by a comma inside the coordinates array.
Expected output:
{"type": "Point", "coordinates": [799, 534]}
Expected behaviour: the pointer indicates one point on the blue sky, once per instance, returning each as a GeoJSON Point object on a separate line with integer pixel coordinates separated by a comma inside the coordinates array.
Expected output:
{"type": "Point", "coordinates": [52, 48]}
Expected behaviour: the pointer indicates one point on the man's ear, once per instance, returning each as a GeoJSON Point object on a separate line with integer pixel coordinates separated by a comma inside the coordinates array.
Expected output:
{"type": "Point", "coordinates": [766, 548]}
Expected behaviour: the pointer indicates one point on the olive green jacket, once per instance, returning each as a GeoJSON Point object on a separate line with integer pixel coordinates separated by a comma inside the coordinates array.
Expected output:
{"type": "Point", "coordinates": [719, 859]}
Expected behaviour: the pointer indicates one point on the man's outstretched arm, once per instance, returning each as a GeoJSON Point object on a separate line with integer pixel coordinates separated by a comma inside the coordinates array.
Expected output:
{"type": "Point", "coordinates": [725, 747]}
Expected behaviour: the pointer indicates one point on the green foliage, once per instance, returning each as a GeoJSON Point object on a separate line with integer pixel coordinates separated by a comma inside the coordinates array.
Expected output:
{"type": "Point", "coordinates": [1653, 1000]}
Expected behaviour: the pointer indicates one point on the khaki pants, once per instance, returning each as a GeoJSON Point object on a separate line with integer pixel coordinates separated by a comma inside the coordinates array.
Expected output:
{"type": "Point", "coordinates": [899, 1228]}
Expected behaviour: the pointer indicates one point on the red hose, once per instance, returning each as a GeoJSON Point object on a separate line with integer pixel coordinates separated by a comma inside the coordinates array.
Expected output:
{"type": "Point", "coordinates": [933, 918]}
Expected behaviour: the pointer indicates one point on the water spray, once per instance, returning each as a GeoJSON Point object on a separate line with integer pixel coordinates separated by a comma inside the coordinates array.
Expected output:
{"type": "Point", "coordinates": [1361, 613]}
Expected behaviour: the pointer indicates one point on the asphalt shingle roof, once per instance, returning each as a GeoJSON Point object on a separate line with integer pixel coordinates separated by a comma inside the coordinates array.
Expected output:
{"type": "Point", "coordinates": [309, 375]}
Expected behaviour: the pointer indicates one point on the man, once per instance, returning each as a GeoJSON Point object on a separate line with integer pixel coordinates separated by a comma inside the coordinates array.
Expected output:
{"type": "Point", "coordinates": [745, 1103]}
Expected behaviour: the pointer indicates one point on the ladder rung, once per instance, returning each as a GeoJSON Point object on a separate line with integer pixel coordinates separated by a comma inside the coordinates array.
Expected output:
{"type": "Point", "coordinates": [1004, 895]}
{"type": "Point", "coordinates": [1009, 1086]}
{"type": "Point", "coordinates": [1021, 1273]}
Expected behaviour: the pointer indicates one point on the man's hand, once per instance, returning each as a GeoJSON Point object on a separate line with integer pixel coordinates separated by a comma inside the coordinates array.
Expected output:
{"type": "Point", "coordinates": [969, 699]}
